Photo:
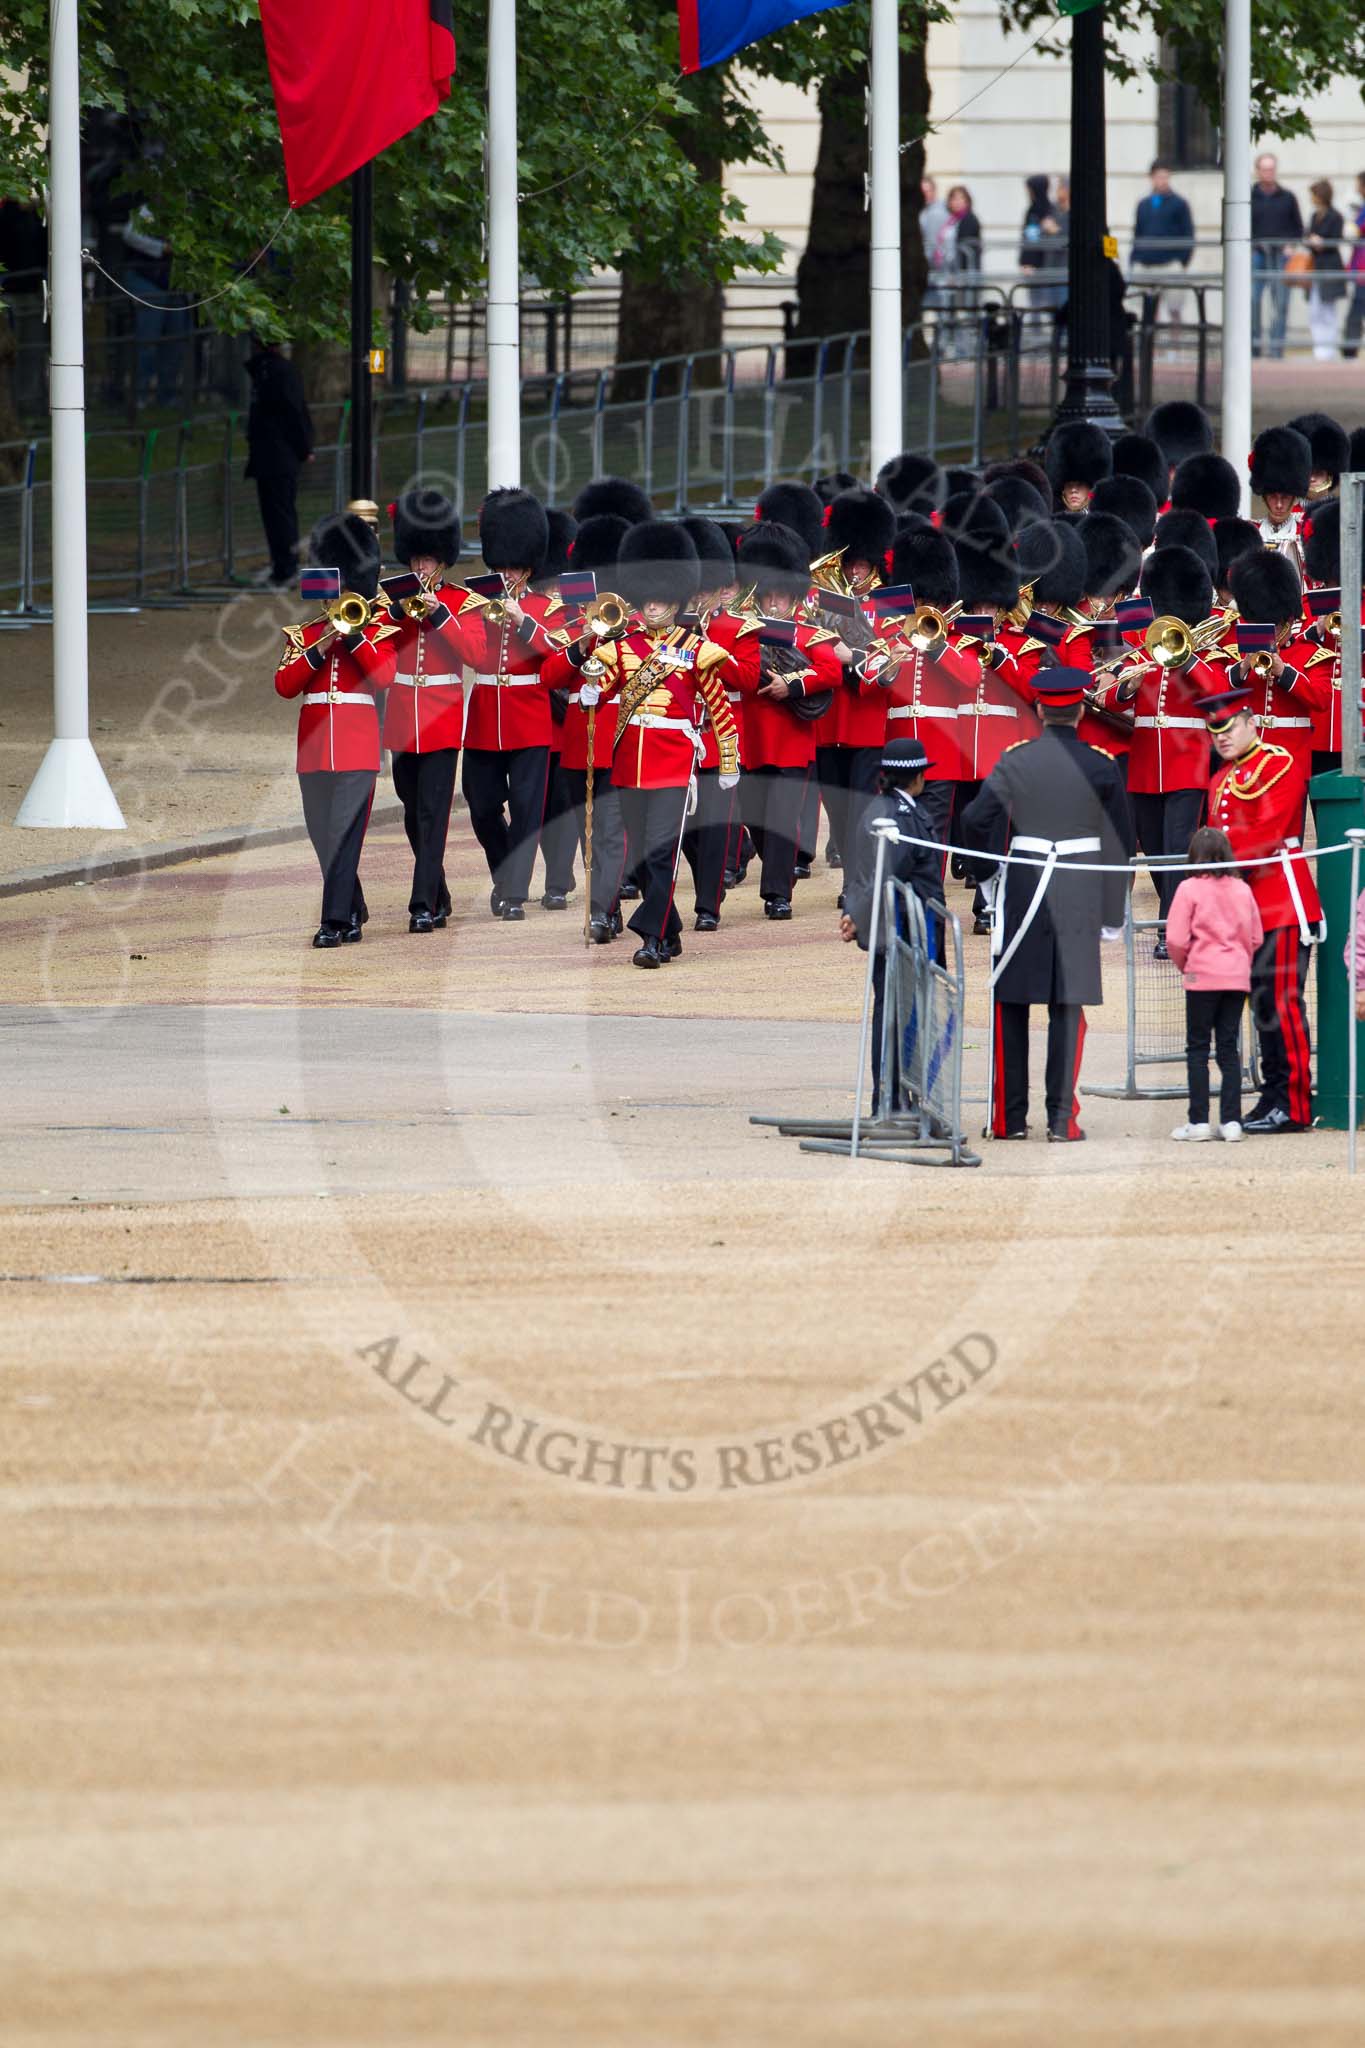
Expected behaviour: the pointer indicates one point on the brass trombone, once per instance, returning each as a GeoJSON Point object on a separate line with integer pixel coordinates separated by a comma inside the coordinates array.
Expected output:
{"type": "Point", "coordinates": [1170, 643]}
{"type": "Point", "coordinates": [606, 616]}
{"type": "Point", "coordinates": [927, 627]}
{"type": "Point", "coordinates": [350, 612]}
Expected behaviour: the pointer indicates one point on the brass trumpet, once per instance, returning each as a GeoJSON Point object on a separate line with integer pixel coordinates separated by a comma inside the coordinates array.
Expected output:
{"type": "Point", "coordinates": [423, 602]}
{"type": "Point", "coordinates": [350, 612]}
{"type": "Point", "coordinates": [606, 616]}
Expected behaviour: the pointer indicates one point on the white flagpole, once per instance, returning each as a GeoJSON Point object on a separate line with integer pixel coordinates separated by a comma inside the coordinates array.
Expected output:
{"type": "Point", "coordinates": [885, 268]}
{"type": "Point", "coordinates": [504, 259]}
{"type": "Point", "coordinates": [1237, 237]}
{"type": "Point", "coordinates": [70, 788]}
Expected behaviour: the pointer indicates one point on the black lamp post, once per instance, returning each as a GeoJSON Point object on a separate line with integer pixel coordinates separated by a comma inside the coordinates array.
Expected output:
{"type": "Point", "coordinates": [1088, 393]}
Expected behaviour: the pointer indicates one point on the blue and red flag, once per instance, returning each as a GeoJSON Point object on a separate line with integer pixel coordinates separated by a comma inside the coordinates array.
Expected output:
{"type": "Point", "coordinates": [709, 31]}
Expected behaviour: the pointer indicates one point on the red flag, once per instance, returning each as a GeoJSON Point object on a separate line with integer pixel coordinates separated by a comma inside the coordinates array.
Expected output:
{"type": "Point", "coordinates": [351, 77]}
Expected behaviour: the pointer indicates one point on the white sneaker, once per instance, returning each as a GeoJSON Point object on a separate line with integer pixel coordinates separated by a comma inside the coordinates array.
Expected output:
{"type": "Point", "coordinates": [1231, 1133]}
{"type": "Point", "coordinates": [1195, 1134]}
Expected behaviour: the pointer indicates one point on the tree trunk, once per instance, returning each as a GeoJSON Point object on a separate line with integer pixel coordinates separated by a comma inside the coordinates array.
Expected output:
{"type": "Point", "coordinates": [676, 319]}
{"type": "Point", "coordinates": [832, 279]}
{"type": "Point", "coordinates": [11, 458]}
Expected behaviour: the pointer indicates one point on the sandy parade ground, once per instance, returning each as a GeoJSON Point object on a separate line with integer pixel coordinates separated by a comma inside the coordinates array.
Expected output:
{"type": "Point", "coordinates": [502, 1550]}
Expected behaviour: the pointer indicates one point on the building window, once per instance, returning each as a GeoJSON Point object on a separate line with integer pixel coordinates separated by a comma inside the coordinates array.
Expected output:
{"type": "Point", "coordinates": [1187, 134]}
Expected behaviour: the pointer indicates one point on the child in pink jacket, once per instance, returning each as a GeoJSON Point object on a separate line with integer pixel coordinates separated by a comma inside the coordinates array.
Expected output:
{"type": "Point", "coordinates": [1212, 931]}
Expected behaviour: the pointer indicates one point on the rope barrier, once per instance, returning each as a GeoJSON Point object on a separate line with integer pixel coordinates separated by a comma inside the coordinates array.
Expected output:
{"type": "Point", "coordinates": [1128, 867]}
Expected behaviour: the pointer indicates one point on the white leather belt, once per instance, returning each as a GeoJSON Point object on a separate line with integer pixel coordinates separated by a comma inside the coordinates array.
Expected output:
{"type": "Point", "coordinates": [1022, 843]}
{"type": "Point", "coordinates": [1182, 724]}
{"type": "Point", "coordinates": [922, 711]}
{"type": "Point", "coordinates": [1304, 724]}
{"type": "Point", "coordinates": [425, 682]}
{"type": "Point", "coordinates": [509, 682]}
{"type": "Point", "coordinates": [651, 723]}
{"type": "Point", "coordinates": [339, 697]}
{"type": "Point", "coordinates": [986, 711]}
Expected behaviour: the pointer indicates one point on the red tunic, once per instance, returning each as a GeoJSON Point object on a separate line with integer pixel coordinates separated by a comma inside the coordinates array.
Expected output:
{"type": "Point", "coordinates": [656, 738]}
{"type": "Point", "coordinates": [509, 705]}
{"type": "Point", "coordinates": [924, 698]}
{"type": "Point", "coordinates": [425, 708]}
{"type": "Point", "coordinates": [338, 717]}
{"type": "Point", "coordinates": [1285, 709]}
{"type": "Point", "coordinates": [1170, 748]}
{"type": "Point", "coordinates": [771, 733]}
{"type": "Point", "coordinates": [563, 670]}
{"type": "Point", "coordinates": [996, 715]}
{"type": "Point", "coordinates": [737, 633]}
{"type": "Point", "coordinates": [1258, 801]}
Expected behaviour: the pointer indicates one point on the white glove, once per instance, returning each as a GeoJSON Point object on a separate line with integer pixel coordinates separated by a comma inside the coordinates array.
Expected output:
{"type": "Point", "coordinates": [1110, 933]}
{"type": "Point", "coordinates": [730, 781]}
{"type": "Point", "coordinates": [589, 694]}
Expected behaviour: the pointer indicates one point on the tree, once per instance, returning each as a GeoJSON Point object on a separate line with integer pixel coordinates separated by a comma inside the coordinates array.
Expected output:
{"type": "Point", "coordinates": [605, 177]}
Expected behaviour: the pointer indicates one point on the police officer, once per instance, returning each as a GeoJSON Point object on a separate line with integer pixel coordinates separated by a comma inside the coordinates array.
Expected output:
{"type": "Point", "coordinates": [1059, 801]}
{"type": "Point", "coordinates": [901, 770]}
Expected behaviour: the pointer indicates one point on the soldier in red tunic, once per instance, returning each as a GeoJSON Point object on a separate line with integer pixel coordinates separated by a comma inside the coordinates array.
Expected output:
{"type": "Point", "coordinates": [708, 829]}
{"type": "Point", "coordinates": [1281, 466]}
{"type": "Point", "coordinates": [335, 674]}
{"type": "Point", "coordinates": [658, 674]}
{"type": "Point", "coordinates": [424, 715]}
{"type": "Point", "coordinates": [802, 509]}
{"type": "Point", "coordinates": [558, 832]}
{"type": "Point", "coordinates": [860, 528]}
{"type": "Point", "coordinates": [780, 686]}
{"type": "Point", "coordinates": [930, 682]}
{"type": "Point", "coordinates": [1322, 562]}
{"type": "Point", "coordinates": [508, 723]}
{"type": "Point", "coordinates": [1294, 689]}
{"type": "Point", "coordinates": [1078, 456]}
{"type": "Point", "coordinates": [1257, 799]}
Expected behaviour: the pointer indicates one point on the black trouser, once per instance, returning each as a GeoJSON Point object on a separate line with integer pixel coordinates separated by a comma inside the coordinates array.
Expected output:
{"type": "Point", "coordinates": [336, 810]}
{"type": "Point", "coordinates": [277, 496]}
{"type": "Point", "coordinates": [558, 832]}
{"type": "Point", "coordinates": [878, 1016]}
{"type": "Point", "coordinates": [653, 819]}
{"type": "Point", "coordinates": [608, 834]}
{"type": "Point", "coordinates": [771, 800]}
{"type": "Point", "coordinates": [505, 791]}
{"type": "Point", "coordinates": [1355, 320]}
{"type": "Point", "coordinates": [1216, 1013]}
{"type": "Point", "coordinates": [705, 839]}
{"type": "Point", "coordinates": [425, 785]}
{"type": "Point", "coordinates": [1279, 976]}
{"type": "Point", "coordinates": [808, 830]}
{"type": "Point", "coordinates": [848, 779]}
{"type": "Point", "coordinates": [1167, 824]}
{"type": "Point", "coordinates": [1065, 1036]}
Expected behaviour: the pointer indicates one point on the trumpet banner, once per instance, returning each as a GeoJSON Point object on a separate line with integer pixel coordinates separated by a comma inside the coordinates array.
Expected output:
{"type": "Point", "coordinates": [350, 77]}
{"type": "Point", "coordinates": [711, 30]}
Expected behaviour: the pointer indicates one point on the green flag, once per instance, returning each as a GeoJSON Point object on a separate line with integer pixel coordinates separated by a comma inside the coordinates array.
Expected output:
{"type": "Point", "coordinates": [1077, 6]}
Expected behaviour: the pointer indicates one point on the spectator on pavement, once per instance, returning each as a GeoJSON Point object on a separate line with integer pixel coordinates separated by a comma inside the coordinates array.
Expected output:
{"type": "Point", "coordinates": [935, 230]}
{"type": "Point", "coordinates": [1355, 312]}
{"type": "Point", "coordinates": [1276, 224]}
{"type": "Point", "coordinates": [279, 434]}
{"type": "Point", "coordinates": [1326, 232]}
{"type": "Point", "coordinates": [1043, 236]}
{"type": "Point", "coordinates": [1163, 238]}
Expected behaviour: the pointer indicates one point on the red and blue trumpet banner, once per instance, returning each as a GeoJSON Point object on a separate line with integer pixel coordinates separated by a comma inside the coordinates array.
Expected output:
{"type": "Point", "coordinates": [709, 31]}
{"type": "Point", "coordinates": [350, 78]}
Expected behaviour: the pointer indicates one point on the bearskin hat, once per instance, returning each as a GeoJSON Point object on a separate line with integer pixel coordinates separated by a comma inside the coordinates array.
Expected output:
{"type": "Point", "coordinates": [614, 494]}
{"type": "Point", "coordinates": [927, 561]}
{"type": "Point", "coordinates": [1129, 499]}
{"type": "Point", "coordinates": [774, 557]}
{"type": "Point", "coordinates": [1266, 587]}
{"type": "Point", "coordinates": [562, 528]}
{"type": "Point", "coordinates": [1138, 455]}
{"type": "Point", "coordinates": [957, 479]}
{"type": "Point", "coordinates": [1208, 485]}
{"type": "Point", "coordinates": [1188, 530]}
{"type": "Point", "coordinates": [597, 542]}
{"type": "Point", "coordinates": [658, 563]}
{"type": "Point", "coordinates": [424, 523]}
{"type": "Point", "coordinates": [796, 506]}
{"type": "Point", "coordinates": [913, 522]}
{"type": "Point", "coordinates": [860, 525]}
{"type": "Point", "coordinates": [714, 551]}
{"type": "Point", "coordinates": [513, 530]}
{"type": "Point", "coordinates": [1113, 559]}
{"type": "Point", "coordinates": [349, 543]}
{"type": "Point", "coordinates": [911, 483]}
{"type": "Point", "coordinates": [975, 515]}
{"type": "Point", "coordinates": [1179, 428]}
{"type": "Point", "coordinates": [1020, 466]}
{"type": "Point", "coordinates": [1233, 537]}
{"type": "Point", "coordinates": [1077, 452]}
{"type": "Point", "coordinates": [1052, 562]}
{"type": "Point", "coordinates": [1328, 439]}
{"type": "Point", "coordinates": [1281, 460]}
{"type": "Point", "coordinates": [1177, 585]}
{"type": "Point", "coordinates": [1018, 500]}
{"type": "Point", "coordinates": [828, 487]}
{"type": "Point", "coordinates": [987, 570]}
{"type": "Point", "coordinates": [1321, 536]}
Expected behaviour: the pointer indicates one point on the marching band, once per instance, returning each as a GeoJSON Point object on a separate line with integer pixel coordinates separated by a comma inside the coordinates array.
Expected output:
{"type": "Point", "coordinates": [647, 691]}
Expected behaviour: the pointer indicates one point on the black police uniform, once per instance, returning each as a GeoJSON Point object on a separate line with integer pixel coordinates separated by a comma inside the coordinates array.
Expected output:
{"type": "Point", "coordinates": [1054, 791]}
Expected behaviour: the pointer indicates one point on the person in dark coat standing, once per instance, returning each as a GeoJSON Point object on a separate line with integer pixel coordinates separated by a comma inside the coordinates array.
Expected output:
{"type": "Point", "coordinates": [279, 439]}
{"type": "Point", "coordinates": [900, 781]}
{"type": "Point", "coordinates": [1060, 802]}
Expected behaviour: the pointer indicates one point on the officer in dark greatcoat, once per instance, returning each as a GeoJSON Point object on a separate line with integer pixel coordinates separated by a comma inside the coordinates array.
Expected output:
{"type": "Point", "coordinates": [1060, 802]}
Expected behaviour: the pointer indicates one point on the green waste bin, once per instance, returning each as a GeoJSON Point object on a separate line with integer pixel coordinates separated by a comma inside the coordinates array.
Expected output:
{"type": "Point", "coordinates": [1338, 806]}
